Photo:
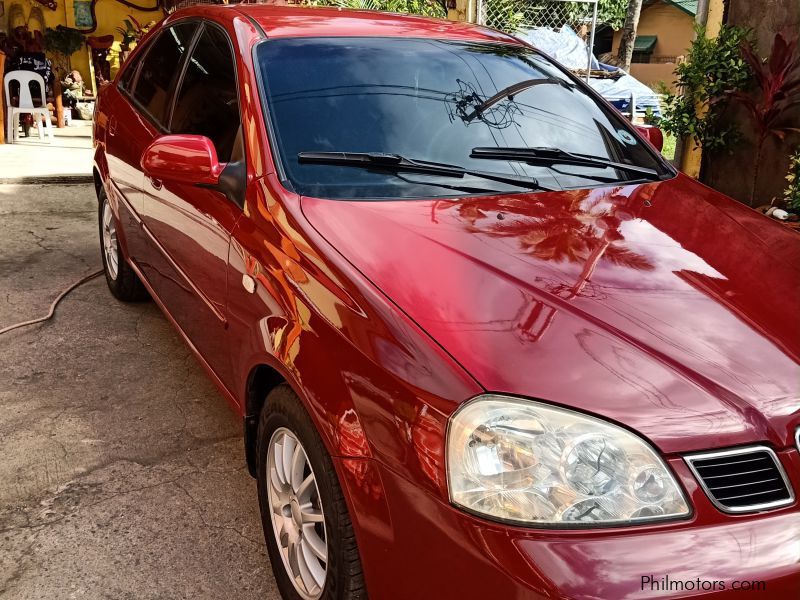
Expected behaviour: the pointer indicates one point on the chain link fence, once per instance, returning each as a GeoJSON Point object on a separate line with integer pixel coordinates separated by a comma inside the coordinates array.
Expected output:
{"type": "Point", "coordinates": [514, 16]}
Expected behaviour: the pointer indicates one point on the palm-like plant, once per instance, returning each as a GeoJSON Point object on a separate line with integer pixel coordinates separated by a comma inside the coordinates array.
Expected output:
{"type": "Point", "coordinates": [778, 90]}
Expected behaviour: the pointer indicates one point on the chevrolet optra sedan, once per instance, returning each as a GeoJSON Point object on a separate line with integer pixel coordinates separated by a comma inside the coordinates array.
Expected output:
{"type": "Point", "coordinates": [485, 342]}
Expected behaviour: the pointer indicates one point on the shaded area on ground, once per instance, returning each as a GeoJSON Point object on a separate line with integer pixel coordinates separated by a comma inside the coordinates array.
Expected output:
{"type": "Point", "coordinates": [123, 473]}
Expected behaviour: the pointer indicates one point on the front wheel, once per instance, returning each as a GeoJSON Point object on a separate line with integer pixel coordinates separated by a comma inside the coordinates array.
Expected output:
{"type": "Point", "coordinates": [306, 524]}
{"type": "Point", "coordinates": [120, 277]}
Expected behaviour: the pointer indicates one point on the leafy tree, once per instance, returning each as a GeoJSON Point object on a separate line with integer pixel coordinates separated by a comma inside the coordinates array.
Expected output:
{"type": "Point", "coordinates": [612, 13]}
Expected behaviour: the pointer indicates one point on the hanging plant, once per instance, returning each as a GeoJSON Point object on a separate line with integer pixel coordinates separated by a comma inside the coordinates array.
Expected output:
{"type": "Point", "coordinates": [63, 42]}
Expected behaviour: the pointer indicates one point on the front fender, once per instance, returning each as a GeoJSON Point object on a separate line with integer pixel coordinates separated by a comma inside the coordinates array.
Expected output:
{"type": "Point", "coordinates": [374, 384]}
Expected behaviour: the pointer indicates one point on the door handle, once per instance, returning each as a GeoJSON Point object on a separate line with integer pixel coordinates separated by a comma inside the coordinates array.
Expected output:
{"type": "Point", "coordinates": [112, 127]}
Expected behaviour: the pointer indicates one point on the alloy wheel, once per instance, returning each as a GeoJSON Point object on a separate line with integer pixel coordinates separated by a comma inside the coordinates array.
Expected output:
{"type": "Point", "coordinates": [298, 520]}
{"type": "Point", "coordinates": [110, 242]}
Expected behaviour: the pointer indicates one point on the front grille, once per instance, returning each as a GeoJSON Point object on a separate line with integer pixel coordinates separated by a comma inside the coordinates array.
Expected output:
{"type": "Point", "coordinates": [742, 480]}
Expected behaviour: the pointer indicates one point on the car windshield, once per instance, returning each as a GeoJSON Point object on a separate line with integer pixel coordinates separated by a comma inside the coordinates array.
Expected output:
{"type": "Point", "coordinates": [437, 101]}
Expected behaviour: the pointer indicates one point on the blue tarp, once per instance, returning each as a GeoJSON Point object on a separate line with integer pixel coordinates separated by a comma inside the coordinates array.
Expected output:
{"type": "Point", "coordinates": [620, 91]}
{"type": "Point", "coordinates": [570, 50]}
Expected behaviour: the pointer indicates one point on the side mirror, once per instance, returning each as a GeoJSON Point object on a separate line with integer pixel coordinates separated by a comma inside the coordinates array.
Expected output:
{"type": "Point", "coordinates": [653, 135]}
{"type": "Point", "coordinates": [190, 159]}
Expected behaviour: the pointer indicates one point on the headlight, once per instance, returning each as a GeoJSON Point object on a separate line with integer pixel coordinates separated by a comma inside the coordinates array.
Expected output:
{"type": "Point", "coordinates": [524, 461]}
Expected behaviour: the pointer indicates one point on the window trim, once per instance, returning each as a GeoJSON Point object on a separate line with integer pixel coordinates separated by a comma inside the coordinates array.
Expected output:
{"type": "Point", "coordinates": [182, 68]}
{"type": "Point", "coordinates": [129, 94]}
{"type": "Point", "coordinates": [203, 23]}
{"type": "Point", "coordinates": [139, 58]}
{"type": "Point", "coordinates": [135, 69]}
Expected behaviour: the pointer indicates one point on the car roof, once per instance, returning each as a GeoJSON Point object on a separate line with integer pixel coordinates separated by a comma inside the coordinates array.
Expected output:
{"type": "Point", "coordinates": [293, 21]}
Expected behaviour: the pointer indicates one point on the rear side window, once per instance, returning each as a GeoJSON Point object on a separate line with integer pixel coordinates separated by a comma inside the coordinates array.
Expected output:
{"type": "Point", "coordinates": [159, 67]}
{"type": "Point", "coordinates": [207, 102]}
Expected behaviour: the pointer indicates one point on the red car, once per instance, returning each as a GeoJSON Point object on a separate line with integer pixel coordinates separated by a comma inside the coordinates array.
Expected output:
{"type": "Point", "coordinates": [484, 340]}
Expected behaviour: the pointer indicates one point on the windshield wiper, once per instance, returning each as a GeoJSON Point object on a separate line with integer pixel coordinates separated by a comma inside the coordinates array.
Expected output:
{"type": "Point", "coordinates": [395, 162]}
{"type": "Point", "coordinates": [512, 91]}
{"type": "Point", "coordinates": [556, 156]}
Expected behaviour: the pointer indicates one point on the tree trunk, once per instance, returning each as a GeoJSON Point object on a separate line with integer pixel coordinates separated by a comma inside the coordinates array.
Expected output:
{"type": "Point", "coordinates": [626, 42]}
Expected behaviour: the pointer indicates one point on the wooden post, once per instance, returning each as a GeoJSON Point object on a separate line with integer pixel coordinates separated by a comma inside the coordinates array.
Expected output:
{"type": "Point", "coordinates": [2, 98]}
{"type": "Point", "coordinates": [465, 10]}
{"type": "Point", "coordinates": [59, 100]}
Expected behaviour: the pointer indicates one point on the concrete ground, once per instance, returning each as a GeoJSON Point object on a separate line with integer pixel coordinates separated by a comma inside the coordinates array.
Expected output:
{"type": "Point", "coordinates": [122, 471]}
{"type": "Point", "coordinates": [69, 156]}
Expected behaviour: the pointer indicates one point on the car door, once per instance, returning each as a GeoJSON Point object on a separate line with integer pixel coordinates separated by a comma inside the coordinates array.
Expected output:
{"type": "Point", "coordinates": [136, 117]}
{"type": "Point", "coordinates": [190, 226]}
{"type": "Point", "coordinates": [122, 155]}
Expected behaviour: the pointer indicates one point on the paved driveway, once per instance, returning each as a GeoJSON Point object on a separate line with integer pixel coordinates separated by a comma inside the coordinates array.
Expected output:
{"type": "Point", "coordinates": [122, 471]}
{"type": "Point", "coordinates": [68, 157]}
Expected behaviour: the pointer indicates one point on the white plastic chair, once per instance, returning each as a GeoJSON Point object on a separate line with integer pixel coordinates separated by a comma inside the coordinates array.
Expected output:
{"type": "Point", "coordinates": [26, 104]}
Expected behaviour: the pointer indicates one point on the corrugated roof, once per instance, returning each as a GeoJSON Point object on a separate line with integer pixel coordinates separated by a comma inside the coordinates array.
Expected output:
{"type": "Point", "coordinates": [687, 6]}
{"type": "Point", "coordinates": [645, 43]}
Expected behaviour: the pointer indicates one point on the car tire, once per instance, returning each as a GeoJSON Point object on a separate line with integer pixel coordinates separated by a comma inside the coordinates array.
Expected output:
{"type": "Point", "coordinates": [282, 419]}
{"type": "Point", "coordinates": [120, 277]}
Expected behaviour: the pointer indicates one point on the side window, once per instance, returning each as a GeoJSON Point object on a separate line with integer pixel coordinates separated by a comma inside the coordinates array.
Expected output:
{"type": "Point", "coordinates": [207, 102]}
{"type": "Point", "coordinates": [159, 67]}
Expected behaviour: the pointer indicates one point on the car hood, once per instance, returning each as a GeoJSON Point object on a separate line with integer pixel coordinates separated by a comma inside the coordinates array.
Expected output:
{"type": "Point", "coordinates": [666, 307]}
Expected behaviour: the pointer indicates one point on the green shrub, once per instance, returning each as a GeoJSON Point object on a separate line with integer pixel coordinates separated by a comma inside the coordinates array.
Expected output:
{"type": "Point", "coordinates": [792, 195]}
{"type": "Point", "coordinates": [713, 72]}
